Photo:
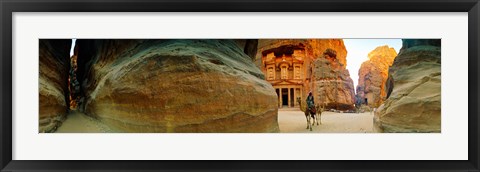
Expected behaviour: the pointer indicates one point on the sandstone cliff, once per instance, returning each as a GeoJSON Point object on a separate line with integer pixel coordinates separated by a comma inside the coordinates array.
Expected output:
{"type": "Point", "coordinates": [331, 82]}
{"type": "Point", "coordinates": [53, 82]}
{"type": "Point", "coordinates": [175, 86]}
{"type": "Point", "coordinates": [313, 47]}
{"type": "Point", "coordinates": [373, 75]}
{"type": "Point", "coordinates": [249, 46]}
{"type": "Point", "coordinates": [414, 104]}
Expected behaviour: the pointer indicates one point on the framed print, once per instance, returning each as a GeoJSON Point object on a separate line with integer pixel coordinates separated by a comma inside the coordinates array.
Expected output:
{"type": "Point", "coordinates": [231, 85]}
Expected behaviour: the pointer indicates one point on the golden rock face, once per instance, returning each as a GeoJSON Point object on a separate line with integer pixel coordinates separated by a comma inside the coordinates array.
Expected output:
{"type": "Point", "coordinates": [373, 75]}
{"type": "Point", "coordinates": [53, 83]}
{"type": "Point", "coordinates": [331, 82]}
{"type": "Point", "coordinates": [314, 47]}
{"type": "Point", "coordinates": [178, 86]}
{"type": "Point", "coordinates": [414, 105]}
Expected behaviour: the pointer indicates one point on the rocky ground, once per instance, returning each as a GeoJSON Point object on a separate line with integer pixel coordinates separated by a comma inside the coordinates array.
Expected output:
{"type": "Point", "coordinates": [290, 121]}
{"type": "Point", "coordinates": [293, 121]}
{"type": "Point", "coordinates": [77, 122]}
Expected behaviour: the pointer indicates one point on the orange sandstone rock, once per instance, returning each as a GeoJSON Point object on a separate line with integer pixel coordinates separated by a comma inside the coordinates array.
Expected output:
{"type": "Point", "coordinates": [331, 82]}
{"type": "Point", "coordinates": [313, 47]}
{"type": "Point", "coordinates": [53, 82]}
{"type": "Point", "coordinates": [176, 86]}
{"type": "Point", "coordinates": [373, 75]}
{"type": "Point", "coordinates": [414, 105]}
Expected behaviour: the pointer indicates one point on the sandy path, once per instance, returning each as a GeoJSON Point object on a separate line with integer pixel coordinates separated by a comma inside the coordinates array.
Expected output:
{"type": "Point", "coordinates": [289, 121]}
{"type": "Point", "coordinates": [77, 122]}
{"type": "Point", "coordinates": [293, 121]}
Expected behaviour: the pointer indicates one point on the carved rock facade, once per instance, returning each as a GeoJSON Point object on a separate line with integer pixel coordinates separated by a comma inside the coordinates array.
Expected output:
{"type": "Point", "coordinates": [296, 66]}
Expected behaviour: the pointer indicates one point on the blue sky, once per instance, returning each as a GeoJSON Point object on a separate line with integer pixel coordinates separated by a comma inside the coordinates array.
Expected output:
{"type": "Point", "coordinates": [358, 49]}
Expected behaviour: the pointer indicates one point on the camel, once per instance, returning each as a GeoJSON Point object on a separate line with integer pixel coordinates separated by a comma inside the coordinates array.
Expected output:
{"type": "Point", "coordinates": [319, 113]}
{"type": "Point", "coordinates": [310, 118]}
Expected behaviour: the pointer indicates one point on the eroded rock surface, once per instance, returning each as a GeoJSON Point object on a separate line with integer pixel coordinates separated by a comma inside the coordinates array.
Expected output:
{"type": "Point", "coordinates": [331, 82]}
{"type": "Point", "coordinates": [373, 75]}
{"type": "Point", "coordinates": [249, 46]}
{"type": "Point", "coordinates": [414, 104]}
{"type": "Point", "coordinates": [53, 82]}
{"type": "Point", "coordinates": [313, 47]}
{"type": "Point", "coordinates": [175, 86]}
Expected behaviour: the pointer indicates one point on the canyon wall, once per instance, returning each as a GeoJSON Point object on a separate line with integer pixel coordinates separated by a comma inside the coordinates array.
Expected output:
{"type": "Point", "coordinates": [53, 82]}
{"type": "Point", "coordinates": [331, 82]}
{"type": "Point", "coordinates": [414, 102]}
{"type": "Point", "coordinates": [373, 75]}
{"type": "Point", "coordinates": [313, 47]}
{"type": "Point", "coordinates": [175, 86]}
{"type": "Point", "coordinates": [249, 46]}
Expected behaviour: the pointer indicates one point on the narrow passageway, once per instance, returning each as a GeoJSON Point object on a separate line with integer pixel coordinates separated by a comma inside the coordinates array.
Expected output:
{"type": "Point", "coordinates": [78, 122]}
{"type": "Point", "coordinates": [73, 82]}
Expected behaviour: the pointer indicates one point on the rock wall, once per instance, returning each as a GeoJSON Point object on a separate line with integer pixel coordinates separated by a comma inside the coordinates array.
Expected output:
{"type": "Point", "coordinates": [373, 74]}
{"type": "Point", "coordinates": [331, 82]}
{"type": "Point", "coordinates": [249, 46]}
{"type": "Point", "coordinates": [53, 82]}
{"type": "Point", "coordinates": [313, 47]}
{"type": "Point", "coordinates": [414, 104]}
{"type": "Point", "coordinates": [175, 86]}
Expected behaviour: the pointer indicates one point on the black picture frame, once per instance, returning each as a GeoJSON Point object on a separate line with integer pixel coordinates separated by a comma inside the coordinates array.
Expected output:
{"type": "Point", "coordinates": [7, 7]}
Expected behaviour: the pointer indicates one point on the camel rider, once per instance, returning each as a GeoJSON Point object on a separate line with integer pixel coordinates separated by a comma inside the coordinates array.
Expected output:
{"type": "Point", "coordinates": [310, 102]}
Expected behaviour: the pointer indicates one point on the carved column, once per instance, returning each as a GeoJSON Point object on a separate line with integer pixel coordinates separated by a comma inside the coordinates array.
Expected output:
{"type": "Point", "coordinates": [294, 96]}
{"type": "Point", "coordinates": [280, 97]}
{"type": "Point", "coordinates": [289, 101]}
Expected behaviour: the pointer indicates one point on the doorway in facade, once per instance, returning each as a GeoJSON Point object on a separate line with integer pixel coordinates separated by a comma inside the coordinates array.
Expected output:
{"type": "Point", "coordinates": [292, 98]}
{"type": "Point", "coordinates": [285, 97]}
